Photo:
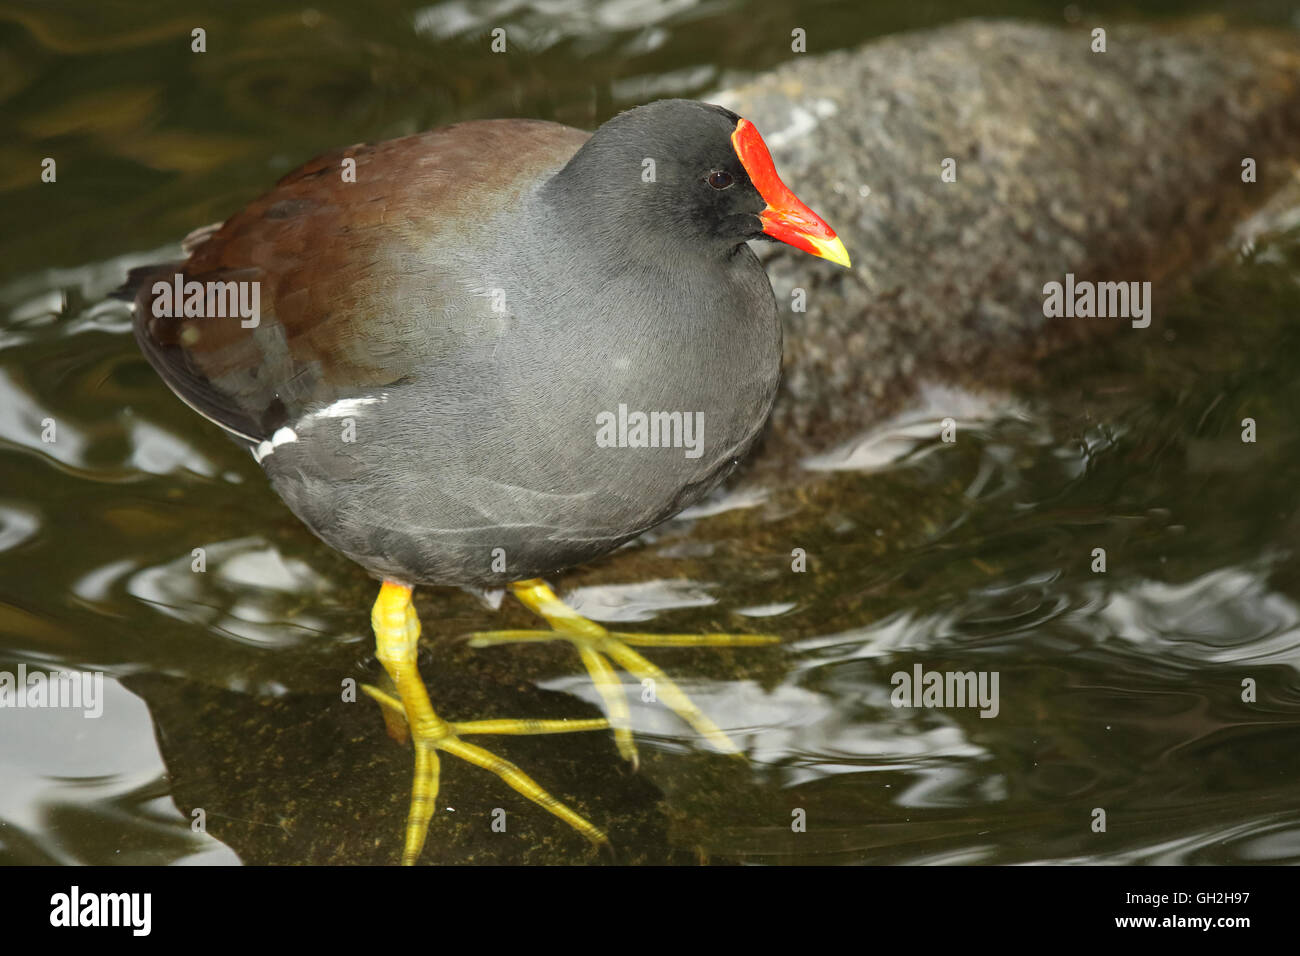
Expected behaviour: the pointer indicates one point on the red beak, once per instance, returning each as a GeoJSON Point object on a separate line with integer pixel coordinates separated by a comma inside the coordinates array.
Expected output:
{"type": "Point", "coordinates": [785, 218]}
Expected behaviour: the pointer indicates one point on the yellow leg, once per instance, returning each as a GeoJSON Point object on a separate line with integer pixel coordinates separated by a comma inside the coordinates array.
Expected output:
{"type": "Point", "coordinates": [597, 647]}
{"type": "Point", "coordinates": [397, 635]}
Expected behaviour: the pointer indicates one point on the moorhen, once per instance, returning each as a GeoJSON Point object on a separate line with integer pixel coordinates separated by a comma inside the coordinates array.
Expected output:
{"type": "Point", "coordinates": [483, 354]}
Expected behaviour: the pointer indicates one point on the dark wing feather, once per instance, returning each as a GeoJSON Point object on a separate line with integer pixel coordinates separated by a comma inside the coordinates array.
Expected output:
{"type": "Point", "coordinates": [323, 251]}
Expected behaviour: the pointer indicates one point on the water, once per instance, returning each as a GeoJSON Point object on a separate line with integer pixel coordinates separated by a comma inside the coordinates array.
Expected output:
{"type": "Point", "coordinates": [1119, 690]}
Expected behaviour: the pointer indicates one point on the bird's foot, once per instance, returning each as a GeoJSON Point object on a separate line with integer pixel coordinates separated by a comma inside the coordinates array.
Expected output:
{"type": "Point", "coordinates": [598, 647]}
{"type": "Point", "coordinates": [397, 633]}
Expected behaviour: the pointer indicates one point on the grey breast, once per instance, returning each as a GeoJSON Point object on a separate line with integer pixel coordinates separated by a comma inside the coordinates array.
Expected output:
{"type": "Point", "coordinates": [497, 453]}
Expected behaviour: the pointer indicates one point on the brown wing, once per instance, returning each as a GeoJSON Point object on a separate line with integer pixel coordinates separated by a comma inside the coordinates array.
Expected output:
{"type": "Point", "coordinates": [324, 253]}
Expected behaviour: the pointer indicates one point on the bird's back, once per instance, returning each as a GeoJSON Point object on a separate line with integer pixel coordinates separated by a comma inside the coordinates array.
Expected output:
{"type": "Point", "coordinates": [321, 247]}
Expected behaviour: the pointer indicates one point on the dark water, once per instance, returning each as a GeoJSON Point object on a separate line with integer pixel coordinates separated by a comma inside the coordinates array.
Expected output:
{"type": "Point", "coordinates": [1120, 691]}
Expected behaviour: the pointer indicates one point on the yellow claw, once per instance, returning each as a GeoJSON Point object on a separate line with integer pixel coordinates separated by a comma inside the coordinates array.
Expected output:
{"type": "Point", "coordinates": [397, 635]}
{"type": "Point", "coordinates": [598, 646]}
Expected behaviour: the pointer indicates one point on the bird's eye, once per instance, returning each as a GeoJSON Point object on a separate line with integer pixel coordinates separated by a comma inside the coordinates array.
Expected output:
{"type": "Point", "coordinates": [720, 179]}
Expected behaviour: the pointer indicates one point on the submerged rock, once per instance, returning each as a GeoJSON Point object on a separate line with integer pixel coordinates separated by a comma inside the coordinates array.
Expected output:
{"type": "Point", "coordinates": [1124, 166]}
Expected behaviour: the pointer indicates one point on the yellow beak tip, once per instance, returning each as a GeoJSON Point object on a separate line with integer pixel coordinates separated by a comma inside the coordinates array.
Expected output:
{"type": "Point", "coordinates": [832, 250]}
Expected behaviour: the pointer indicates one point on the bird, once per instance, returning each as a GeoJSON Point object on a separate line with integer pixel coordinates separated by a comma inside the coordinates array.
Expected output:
{"type": "Point", "coordinates": [487, 353]}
